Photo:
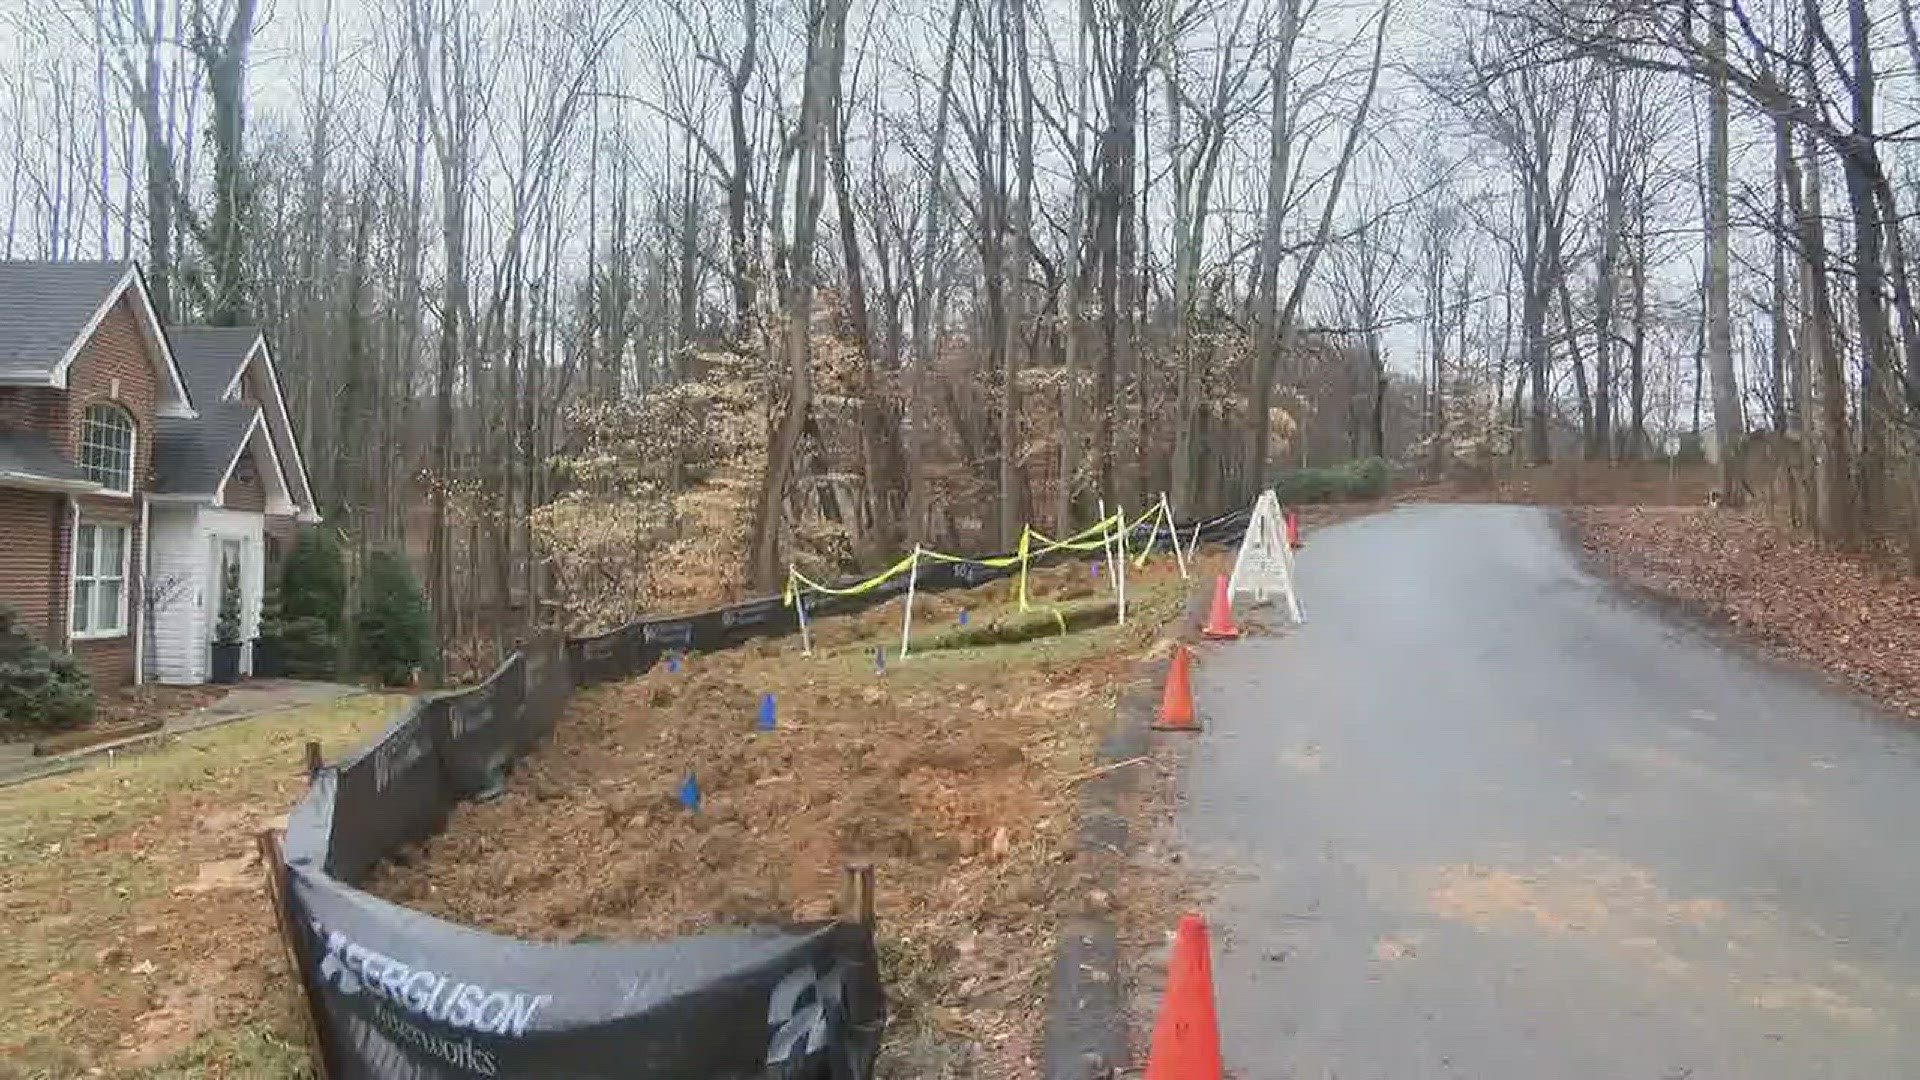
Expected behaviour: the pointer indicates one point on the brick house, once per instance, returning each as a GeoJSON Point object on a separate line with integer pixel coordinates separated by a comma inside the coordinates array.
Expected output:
{"type": "Point", "coordinates": [136, 460]}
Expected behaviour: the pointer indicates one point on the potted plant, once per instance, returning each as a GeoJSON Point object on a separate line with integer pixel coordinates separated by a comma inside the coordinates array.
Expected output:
{"type": "Point", "coordinates": [226, 630]}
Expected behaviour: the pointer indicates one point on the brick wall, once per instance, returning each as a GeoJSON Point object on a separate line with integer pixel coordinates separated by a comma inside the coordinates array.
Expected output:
{"type": "Point", "coordinates": [31, 526]}
{"type": "Point", "coordinates": [36, 528]}
{"type": "Point", "coordinates": [247, 487]}
{"type": "Point", "coordinates": [117, 351]}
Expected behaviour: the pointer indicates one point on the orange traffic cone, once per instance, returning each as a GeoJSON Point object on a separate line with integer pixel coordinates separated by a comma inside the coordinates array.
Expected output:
{"type": "Point", "coordinates": [1186, 1036]}
{"type": "Point", "coordinates": [1292, 519]}
{"type": "Point", "coordinates": [1176, 704]}
{"type": "Point", "coordinates": [1220, 619]}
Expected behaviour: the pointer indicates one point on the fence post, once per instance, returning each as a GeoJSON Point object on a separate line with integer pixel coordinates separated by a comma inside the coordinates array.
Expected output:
{"type": "Point", "coordinates": [800, 609]}
{"type": "Point", "coordinates": [268, 842]}
{"type": "Point", "coordinates": [1173, 530]}
{"type": "Point", "coordinates": [860, 892]}
{"type": "Point", "coordinates": [906, 621]}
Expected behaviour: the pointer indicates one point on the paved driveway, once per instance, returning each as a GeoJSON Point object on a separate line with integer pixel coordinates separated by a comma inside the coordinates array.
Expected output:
{"type": "Point", "coordinates": [1485, 817]}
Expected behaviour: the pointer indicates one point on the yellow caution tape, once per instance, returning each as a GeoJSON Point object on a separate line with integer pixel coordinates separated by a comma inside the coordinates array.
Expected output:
{"type": "Point", "coordinates": [1097, 535]}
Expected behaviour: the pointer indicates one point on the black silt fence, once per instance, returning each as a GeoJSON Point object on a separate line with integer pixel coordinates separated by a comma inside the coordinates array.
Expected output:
{"type": "Point", "coordinates": [398, 993]}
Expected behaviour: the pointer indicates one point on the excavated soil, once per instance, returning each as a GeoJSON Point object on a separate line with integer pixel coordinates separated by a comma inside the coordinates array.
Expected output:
{"type": "Point", "coordinates": [953, 772]}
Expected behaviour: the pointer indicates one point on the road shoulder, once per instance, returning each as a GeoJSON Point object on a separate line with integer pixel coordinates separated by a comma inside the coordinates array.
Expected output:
{"type": "Point", "coordinates": [1819, 610]}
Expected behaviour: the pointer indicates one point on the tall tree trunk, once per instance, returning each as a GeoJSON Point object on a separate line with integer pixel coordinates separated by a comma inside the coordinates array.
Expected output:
{"type": "Point", "coordinates": [1728, 426]}
{"type": "Point", "coordinates": [224, 59]}
{"type": "Point", "coordinates": [1018, 229]}
{"type": "Point", "coordinates": [740, 256]}
{"type": "Point", "coordinates": [1113, 221]}
{"type": "Point", "coordinates": [1601, 445]}
{"type": "Point", "coordinates": [1779, 342]}
{"type": "Point", "coordinates": [826, 53]}
{"type": "Point", "coordinates": [1267, 331]}
{"type": "Point", "coordinates": [1264, 360]}
{"type": "Point", "coordinates": [1834, 492]}
{"type": "Point", "coordinates": [1637, 354]}
{"type": "Point", "coordinates": [1071, 328]}
{"type": "Point", "coordinates": [927, 305]}
{"type": "Point", "coordinates": [879, 440]}
{"type": "Point", "coordinates": [1533, 327]}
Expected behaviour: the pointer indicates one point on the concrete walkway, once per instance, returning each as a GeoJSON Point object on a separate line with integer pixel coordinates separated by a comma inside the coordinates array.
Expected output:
{"type": "Point", "coordinates": [1486, 818]}
{"type": "Point", "coordinates": [255, 697]}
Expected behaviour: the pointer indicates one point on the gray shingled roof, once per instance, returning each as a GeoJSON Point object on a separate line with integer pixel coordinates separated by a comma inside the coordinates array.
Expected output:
{"type": "Point", "coordinates": [209, 356]}
{"type": "Point", "coordinates": [26, 456]}
{"type": "Point", "coordinates": [44, 306]}
{"type": "Point", "coordinates": [190, 457]}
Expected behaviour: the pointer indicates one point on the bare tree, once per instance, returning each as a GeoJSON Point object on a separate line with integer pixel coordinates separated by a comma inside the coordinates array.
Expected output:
{"type": "Point", "coordinates": [826, 55]}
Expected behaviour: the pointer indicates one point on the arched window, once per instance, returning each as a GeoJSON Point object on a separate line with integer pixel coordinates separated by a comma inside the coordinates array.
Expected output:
{"type": "Point", "coordinates": [106, 447]}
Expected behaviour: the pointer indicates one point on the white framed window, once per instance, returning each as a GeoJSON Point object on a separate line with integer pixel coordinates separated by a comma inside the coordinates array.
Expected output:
{"type": "Point", "coordinates": [100, 557]}
{"type": "Point", "coordinates": [106, 447]}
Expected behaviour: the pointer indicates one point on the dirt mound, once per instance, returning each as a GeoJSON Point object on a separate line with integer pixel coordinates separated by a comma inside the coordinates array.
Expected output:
{"type": "Point", "coordinates": [950, 772]}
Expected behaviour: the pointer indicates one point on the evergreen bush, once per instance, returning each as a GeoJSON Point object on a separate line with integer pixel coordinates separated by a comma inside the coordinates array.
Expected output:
{"type": "Point", "coordinates": [313, 600]}
{"type": "Point", "coordinates": [1361, 478]}
{"type": "Point", "coordinates": [40, 689]}
{"type": "Point", "coordinates": [393, 624]}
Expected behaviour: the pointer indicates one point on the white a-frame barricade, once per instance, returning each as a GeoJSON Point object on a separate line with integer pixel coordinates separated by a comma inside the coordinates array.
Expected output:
{"type": "Point", "coordinates": [1264, 566]}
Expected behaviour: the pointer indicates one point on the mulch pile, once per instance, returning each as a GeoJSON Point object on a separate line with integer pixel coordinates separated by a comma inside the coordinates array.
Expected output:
{"type": "Point", "coordinates": [1832, 609]}
{"type": "Point", "coordinates": [954, 773]}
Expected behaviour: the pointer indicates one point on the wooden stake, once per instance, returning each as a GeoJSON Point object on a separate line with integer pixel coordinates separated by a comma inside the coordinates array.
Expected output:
{"type": "Point", "coordinates": [860, 892]}
{"type": "Point", "coordinates": [268, 843]}
{"type": "Point", "coordinates": [314, 761]}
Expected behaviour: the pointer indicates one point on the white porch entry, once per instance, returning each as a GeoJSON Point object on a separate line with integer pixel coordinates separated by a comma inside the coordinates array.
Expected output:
{"type": "Point", "coordinates": [189, 546]}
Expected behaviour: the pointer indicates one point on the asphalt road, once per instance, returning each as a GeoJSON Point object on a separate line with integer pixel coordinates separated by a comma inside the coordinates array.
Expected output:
{"type": "Point", "coordinates": [1486, 817]}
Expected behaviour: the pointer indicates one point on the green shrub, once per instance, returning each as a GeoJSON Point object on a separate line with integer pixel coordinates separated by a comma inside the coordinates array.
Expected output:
{"type": "Point", "coordinates": [1362, 478]}
{"type": "Point", "coordinates": [1307, 486]}
{"type": "Point", "coordinates": [307, 647]}
{"type": "Point", "coordinates": [313, 583]}
{"type": "Point", "coordinates": [313, 598]}
{"type": "Point", "coordinates": [39, 689]}
{"type": "Point", "coordinates": [393, 623]}
{"type": "Point", "coordinates": [226, 626]}
{"type": "Point", "coordinates": [1366, 478]}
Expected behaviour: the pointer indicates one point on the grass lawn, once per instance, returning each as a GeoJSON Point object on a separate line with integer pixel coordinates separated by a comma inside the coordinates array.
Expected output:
{"type": "Point", "coordinates": [135, 936]}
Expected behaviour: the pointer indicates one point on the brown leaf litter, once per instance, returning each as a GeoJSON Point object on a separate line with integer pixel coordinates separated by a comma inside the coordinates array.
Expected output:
{"type": "Point", "coordinates": [1832, 609]}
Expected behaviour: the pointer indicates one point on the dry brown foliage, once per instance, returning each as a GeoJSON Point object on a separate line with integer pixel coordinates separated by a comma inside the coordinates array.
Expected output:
{"type": "Point", "coordinates": [1835, 610]}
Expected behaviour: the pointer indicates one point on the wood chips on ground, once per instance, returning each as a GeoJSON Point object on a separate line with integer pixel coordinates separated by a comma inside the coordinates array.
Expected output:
{"type": "Point", "coordinates": [1837, 611]}
{"type": "Point", "coordinates": [953, 773]}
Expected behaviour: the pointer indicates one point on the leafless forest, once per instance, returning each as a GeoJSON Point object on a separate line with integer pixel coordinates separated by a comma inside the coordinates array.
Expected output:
{"type": "Point", "coordinates": [602, 306]}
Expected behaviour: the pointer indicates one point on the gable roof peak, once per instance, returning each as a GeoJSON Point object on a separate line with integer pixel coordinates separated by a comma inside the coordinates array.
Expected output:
{"type": "Point", "coordinates": [49, 310]}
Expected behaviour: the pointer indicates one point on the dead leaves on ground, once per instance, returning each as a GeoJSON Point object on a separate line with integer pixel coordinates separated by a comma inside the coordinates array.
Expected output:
{"type": "Point", "coordinates": [1829, 608]}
